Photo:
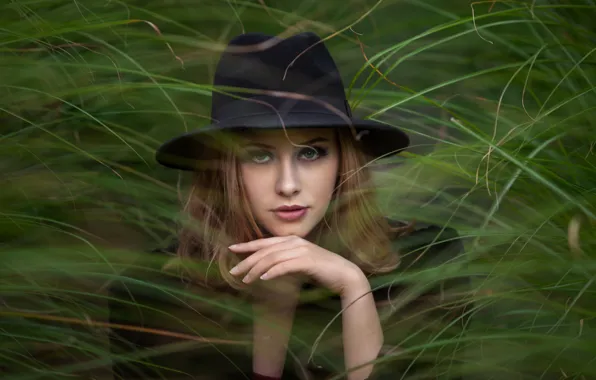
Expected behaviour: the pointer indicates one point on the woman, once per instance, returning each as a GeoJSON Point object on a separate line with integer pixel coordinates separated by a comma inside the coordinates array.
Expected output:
{"type": "Point", "coordinates": [279, 213]}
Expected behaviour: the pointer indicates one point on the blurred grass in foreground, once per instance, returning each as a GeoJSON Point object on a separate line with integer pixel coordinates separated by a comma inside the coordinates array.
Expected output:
{"type": "Point", "coordinates": [498, 97]}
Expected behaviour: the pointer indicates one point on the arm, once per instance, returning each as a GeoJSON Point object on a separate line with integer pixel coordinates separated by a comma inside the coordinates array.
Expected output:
{"type": "Point", "coordinates": [362, 331]}
{"type": "Point", "coordinates": [274, 309]}
{"type": "Point", "coordinates": [280, 256]}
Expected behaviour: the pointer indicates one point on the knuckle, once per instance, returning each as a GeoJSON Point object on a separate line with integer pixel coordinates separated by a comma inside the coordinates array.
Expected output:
{"type": "Point", "coordinates": [303, 249]}
{"type": "Point", "coordinates": [273, 271]}
{"type": "Point", "coordinates": [241, 266]}
{"type": "Point", "coordinates": [248, 263]}
{"type": "Point", "coordinates": [261, 255]}
{"type": "Point", "coordinates": [282, 267]}
{"type": "Point", "coordinates": [256, 267]}
{"type": "Point", "coordinates": [269, 260]}
{"type": "Point", "coordinates": [257, 270]}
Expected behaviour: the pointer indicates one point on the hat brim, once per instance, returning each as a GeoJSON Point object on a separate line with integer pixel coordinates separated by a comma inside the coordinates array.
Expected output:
{"type": "Point", "coordinates": [187, 150]}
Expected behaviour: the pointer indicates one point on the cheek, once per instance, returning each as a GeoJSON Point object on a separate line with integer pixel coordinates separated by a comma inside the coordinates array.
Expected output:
{"type": "Point", "coordinates": [257, 186]}
{"type": "Point", "coordinates": [250, 183]}
{"type": "Point", "coordinates": [326, 181]}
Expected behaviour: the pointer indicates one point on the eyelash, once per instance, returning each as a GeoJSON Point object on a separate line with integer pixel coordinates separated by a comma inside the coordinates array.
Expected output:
{"type": "Point", "coordinates": [321, 152]}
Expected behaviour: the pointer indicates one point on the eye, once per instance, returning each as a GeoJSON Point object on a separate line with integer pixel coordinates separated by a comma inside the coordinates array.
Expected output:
{"type": "Point", "coordinates": [257, 156]}
{"type": "Point", "coordinates": [312, 153]}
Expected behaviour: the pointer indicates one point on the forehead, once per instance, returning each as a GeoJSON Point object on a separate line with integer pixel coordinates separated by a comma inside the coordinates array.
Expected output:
{"type": "Point", "coordinates": [289, 135]}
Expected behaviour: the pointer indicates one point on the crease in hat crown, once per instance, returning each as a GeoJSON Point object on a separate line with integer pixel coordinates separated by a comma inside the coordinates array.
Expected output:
{"type": "Point", "coordinates": [299, 66]}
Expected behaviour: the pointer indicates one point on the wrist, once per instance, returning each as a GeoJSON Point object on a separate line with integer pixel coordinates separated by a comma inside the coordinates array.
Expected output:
{"type": "Point", "coordinates": [355, 285]}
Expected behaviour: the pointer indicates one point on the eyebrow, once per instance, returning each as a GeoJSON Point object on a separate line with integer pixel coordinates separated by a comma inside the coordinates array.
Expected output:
{"type": "Point", "coordinates": [309, 142]}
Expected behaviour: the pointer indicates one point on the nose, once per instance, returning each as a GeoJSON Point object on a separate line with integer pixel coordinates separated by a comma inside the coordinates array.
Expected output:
{"type": "Point", "coordinates": [288, 178]}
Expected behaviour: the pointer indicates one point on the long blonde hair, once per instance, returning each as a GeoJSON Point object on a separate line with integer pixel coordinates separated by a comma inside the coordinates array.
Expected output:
{"type": "Point", "coordinates": [218, 214]}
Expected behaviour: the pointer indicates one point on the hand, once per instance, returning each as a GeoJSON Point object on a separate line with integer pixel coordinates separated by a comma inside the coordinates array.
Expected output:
{"type": "Point", "coordinates": [278, 256]}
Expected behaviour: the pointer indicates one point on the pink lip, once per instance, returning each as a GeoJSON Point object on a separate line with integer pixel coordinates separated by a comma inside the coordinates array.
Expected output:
{"type": "Point", "coordinates": [291, 213]}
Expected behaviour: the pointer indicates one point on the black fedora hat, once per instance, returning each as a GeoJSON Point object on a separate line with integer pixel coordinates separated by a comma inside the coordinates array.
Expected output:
{"type": "Point", "coordinates": [265, 82]}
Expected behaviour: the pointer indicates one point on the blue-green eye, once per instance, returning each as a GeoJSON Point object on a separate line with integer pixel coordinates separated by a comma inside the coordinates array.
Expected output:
{"type": "Point", "coordinates": [312, 153]}
{"type": "Point", "coordinates": [257, 156]}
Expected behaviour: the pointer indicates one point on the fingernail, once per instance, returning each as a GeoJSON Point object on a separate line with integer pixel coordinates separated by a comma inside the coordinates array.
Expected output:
{"type": "Point", "coordinates": [245, 280]}
{"type": "Point", "coordinates": [232, 246]}
{"type": "Point", "coordinates": [264, 276]}
{"type": "Point", "coordinates": [234, 270]}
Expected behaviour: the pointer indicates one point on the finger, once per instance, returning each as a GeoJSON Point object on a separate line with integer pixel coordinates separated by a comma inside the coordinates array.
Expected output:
{"type": "Point", "coordinates": [267, 262]}
{"type": "Point", "coordinates": [300, 264]}
{"type": "Point", "coordinates": [244, 265]}
{"type": "Point", "coordinates": [255, 245]}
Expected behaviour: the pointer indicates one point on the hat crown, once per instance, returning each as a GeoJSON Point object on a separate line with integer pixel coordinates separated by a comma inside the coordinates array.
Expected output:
{"type": "Point", "coordinates": [300, 64]}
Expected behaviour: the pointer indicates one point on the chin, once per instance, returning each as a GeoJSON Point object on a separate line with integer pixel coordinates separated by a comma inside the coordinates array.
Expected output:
{"type": "Point", "coordinates": [289, 230]}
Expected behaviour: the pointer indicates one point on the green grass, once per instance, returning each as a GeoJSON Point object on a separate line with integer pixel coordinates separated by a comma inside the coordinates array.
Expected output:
{"type": "Point", "coordinates": [499, 103]}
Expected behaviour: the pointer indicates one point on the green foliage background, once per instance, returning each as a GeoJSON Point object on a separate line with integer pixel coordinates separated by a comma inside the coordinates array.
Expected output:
{"type": "Point", "coordinates": [497, 96]}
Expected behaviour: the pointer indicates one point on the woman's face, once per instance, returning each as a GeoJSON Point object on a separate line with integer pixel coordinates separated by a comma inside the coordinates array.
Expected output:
{"type": "Point", "coordinates": [277, 174]}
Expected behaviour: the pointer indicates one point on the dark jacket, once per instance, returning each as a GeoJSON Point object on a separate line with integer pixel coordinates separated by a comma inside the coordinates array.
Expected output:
{"type": "Point", "coordinates": [185, 332]}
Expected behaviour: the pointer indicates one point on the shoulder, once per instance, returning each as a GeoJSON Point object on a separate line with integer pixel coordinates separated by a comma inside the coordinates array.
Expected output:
{"type": "Point", "coordinates": [429, 274]}
{"type": "Point", "coordinates": [425, 243]}
{"type": "Point", "coordinates": [418, 232]}
{"type": "Point", "coordinates": [429, 256]}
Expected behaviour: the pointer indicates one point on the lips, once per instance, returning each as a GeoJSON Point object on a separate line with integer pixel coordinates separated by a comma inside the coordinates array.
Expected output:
{"type": "Point", "coordinates": [289, 208]}
{"type": "Point", "coordinates": [290, 213]}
